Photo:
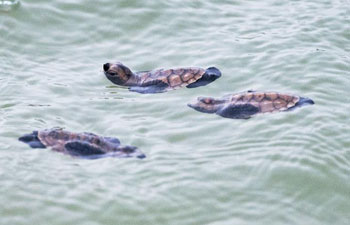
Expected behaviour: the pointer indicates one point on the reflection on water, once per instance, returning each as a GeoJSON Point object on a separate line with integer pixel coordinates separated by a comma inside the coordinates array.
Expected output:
{"type": "Point", "coordinates": [7, 5]}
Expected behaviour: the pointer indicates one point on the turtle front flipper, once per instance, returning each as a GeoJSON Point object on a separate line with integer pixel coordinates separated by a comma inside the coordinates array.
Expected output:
{"type": "Point", "coordinates": [155, 86]}
{"type": "Point", "coordinates": [210, 75]}
{"type": "Point", "coordinates": [32, 140]}
{"type": "Point", "coordinates": [238, 111]}
{"type": "Point", "coordinates": [83, 149]}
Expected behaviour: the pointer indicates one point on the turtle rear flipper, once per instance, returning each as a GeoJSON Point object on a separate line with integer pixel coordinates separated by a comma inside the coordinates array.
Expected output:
{"type": "Point", "coordinates": [240, 111]}
{"type": "Point", "coordinates": [302, 102]}
{"type": "Point", "coordinates": [211, 74]}
{"type": "Point", "coordinates": [32, 140]}
{"type": "Point", "coordinates": [83, 149]}
{"type": "Point", "coordinates": [156, 86]}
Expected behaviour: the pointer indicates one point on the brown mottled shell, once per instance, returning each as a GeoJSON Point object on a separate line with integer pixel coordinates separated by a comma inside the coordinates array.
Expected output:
{"type": "Point", "coordinates": [265, 101]}
{"type": "Point", "coordinates": [174, 77]}
{"type": "Point", "coordinates": [57, 138]}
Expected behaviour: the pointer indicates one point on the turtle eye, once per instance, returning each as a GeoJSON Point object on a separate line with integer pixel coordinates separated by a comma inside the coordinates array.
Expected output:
{"type": "Point", "coordinates": [112, 73]}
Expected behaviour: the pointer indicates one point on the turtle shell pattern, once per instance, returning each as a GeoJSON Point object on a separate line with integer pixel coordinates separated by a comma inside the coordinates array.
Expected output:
{"type": "Point", "coordinates": [57, 138]}
{"type": "Point", "coordinates": [264, 101]}
{"type": "Point", "coordinates": [173, 78]}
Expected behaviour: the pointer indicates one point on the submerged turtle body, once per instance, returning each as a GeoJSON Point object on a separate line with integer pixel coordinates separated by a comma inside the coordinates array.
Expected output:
{"type": "Point", "coordinates": [84, 145]}
{"type": "Point", "coordinates": [161, 80]}
{"type": "Point", "coordinates": [246, 104]}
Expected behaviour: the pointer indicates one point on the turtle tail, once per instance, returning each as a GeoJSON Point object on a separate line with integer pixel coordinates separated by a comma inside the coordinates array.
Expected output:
{"type": "Point", "coordinates": [210, 75]}
{"type": "Point", "coordinates": [32, 140]}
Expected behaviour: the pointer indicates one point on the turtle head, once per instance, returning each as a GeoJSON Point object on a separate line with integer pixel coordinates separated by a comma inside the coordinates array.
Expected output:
{"type": "Point", "coordinates": [207, 104]}
{"type": "Point", "coordinates": [117, 72]}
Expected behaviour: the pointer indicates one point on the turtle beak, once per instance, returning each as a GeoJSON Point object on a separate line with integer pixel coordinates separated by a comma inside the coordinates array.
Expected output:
{"type": "Point", "coordinates": [199, 105]}
{"type": "Point", "coordinates": [206, 105]}
{"type": "Point", "coordinates": [106, 67]}
{"type": "Point", "coordinates": [194, 104]}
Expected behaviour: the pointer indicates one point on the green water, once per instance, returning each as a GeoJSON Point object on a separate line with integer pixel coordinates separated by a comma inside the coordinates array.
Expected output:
{"type": "Point", "coordinates": [283, 168]}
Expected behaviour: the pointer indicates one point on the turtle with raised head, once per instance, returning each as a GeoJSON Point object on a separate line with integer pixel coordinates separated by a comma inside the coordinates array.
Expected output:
{"type": "Point", "coordinates": [160, 80]}
{"type": "Point", "coordinates": [246, 104]}
{"type": "Point", "coordinates": [83, 145]}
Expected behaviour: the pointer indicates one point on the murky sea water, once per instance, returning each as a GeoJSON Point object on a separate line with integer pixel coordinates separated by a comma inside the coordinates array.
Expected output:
{"type": "Point", "coordinates": [283, 168]}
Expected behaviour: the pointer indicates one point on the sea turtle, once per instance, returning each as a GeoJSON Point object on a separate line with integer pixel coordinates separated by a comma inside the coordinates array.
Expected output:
{"type": "Point", "coordinates": [159, 80]}
{"type": "Point", "coordinates": [246, 104]}
{"type": "Point", "coordinates": [83, 145]}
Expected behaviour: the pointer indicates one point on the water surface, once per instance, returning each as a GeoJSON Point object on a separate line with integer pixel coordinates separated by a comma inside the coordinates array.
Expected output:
{"type": "Point", "coordinates": [285, 168]}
